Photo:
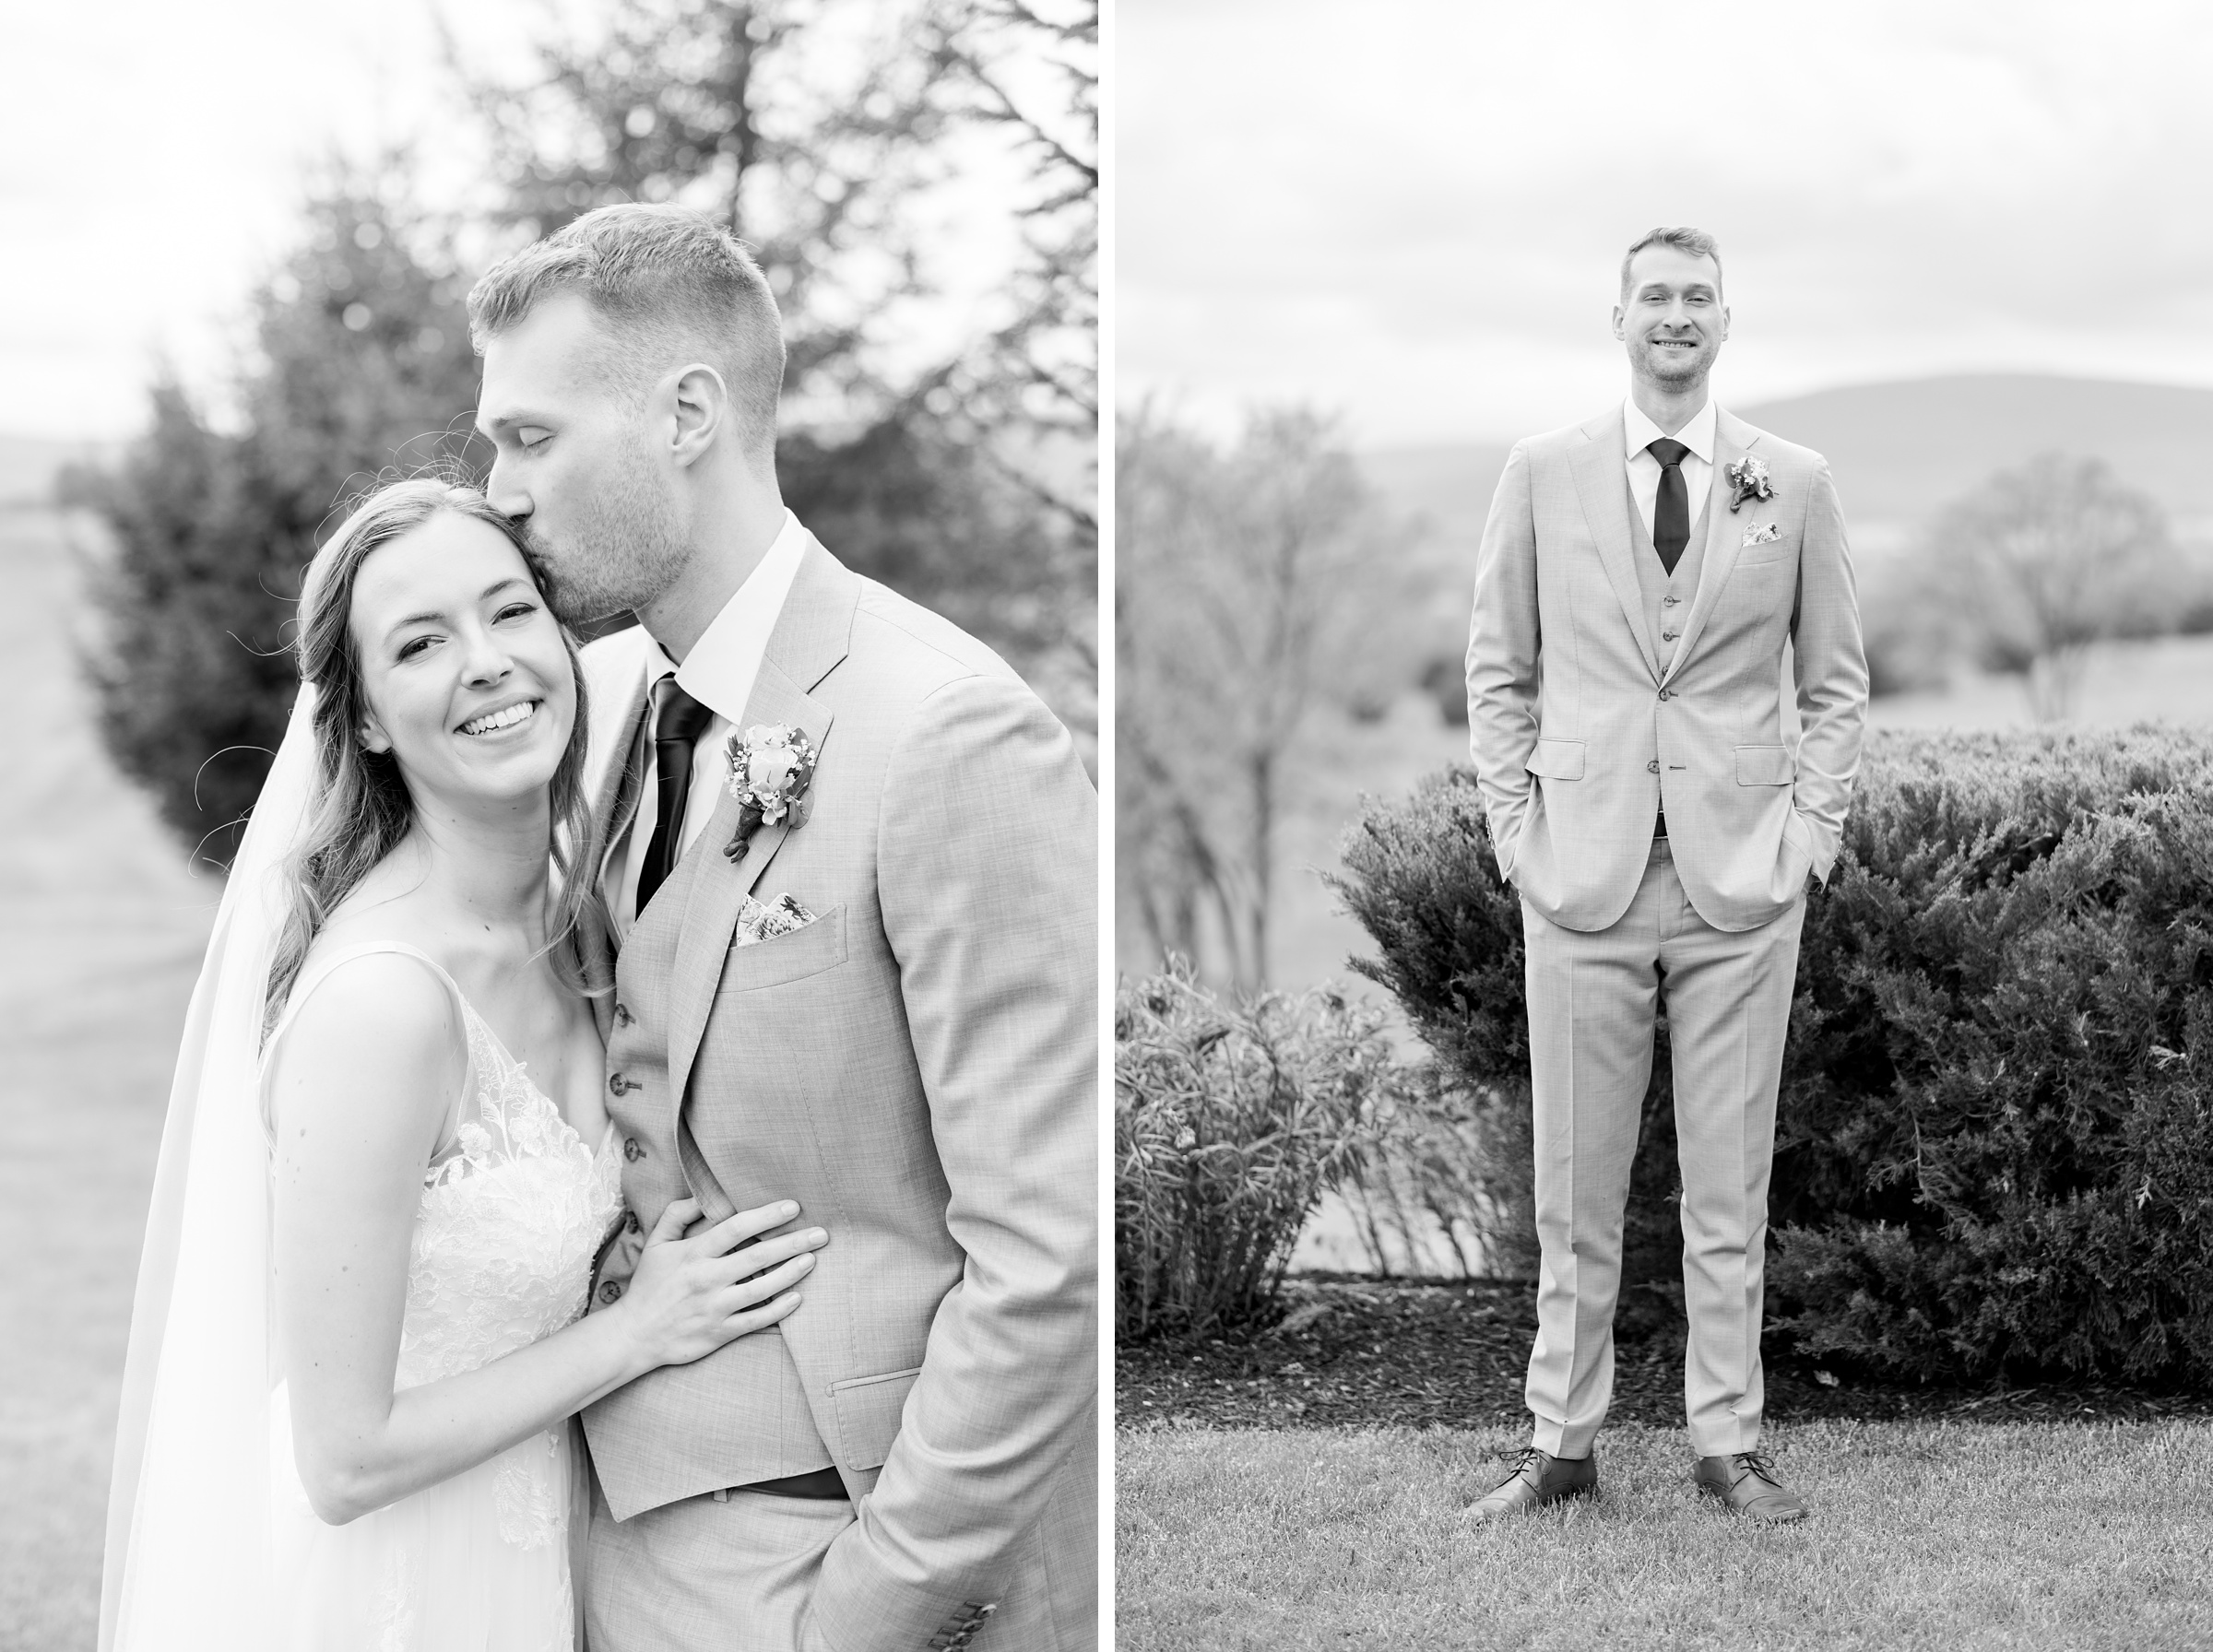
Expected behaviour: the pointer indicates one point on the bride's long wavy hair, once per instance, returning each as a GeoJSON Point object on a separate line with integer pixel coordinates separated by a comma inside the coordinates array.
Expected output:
{"type": "Point", "coordinates": [361, 809]}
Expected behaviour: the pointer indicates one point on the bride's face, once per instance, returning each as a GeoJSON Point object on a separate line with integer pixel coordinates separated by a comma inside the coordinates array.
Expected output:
{"type": "Point", "coordinates": [465, 677]}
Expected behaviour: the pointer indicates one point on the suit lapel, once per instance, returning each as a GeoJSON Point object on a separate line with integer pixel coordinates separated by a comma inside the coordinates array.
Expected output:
{"type": "Point", "coordinates": [1601, 482]}
{"type": "Point", "coordinates": [1732, 439]}
{"type": "Point", "coordinates": [810, 637]}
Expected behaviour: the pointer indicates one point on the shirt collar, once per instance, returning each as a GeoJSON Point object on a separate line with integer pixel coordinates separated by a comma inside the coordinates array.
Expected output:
{"type": "Point", "coordinates": [1638, 431]}
{"type": "Point", "coordinates": [720, 669]}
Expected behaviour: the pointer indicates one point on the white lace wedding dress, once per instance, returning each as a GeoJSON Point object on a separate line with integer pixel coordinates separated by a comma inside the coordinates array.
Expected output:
{"type": "Point", "coordinates": [514, 1207]}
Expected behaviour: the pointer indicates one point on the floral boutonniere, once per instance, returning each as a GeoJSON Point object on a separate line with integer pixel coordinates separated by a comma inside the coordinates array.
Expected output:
{"type": "Point", "coordinates": [770, 766]}
{"type": "Point", "coordinates": [1748, 477]}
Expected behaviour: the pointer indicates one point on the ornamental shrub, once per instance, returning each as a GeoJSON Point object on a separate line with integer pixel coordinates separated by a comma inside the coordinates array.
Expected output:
{"type": "Point", "coordinates": [1994, 1146]}
{"type": "Point", "coordinates": [1228, 1124]}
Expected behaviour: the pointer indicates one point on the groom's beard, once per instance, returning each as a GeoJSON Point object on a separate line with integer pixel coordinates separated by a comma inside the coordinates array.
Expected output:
{"type": "Point", "coordinates": [621, 549]}
{"type": "Point", "coordinates": [1677, 371]}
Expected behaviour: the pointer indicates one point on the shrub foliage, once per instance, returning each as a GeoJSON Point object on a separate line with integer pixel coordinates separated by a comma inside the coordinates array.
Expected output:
{"type": "Point", "coordinates": [1995, 1150]}
{"type": "Point", "coordinates": [1228, 1124]}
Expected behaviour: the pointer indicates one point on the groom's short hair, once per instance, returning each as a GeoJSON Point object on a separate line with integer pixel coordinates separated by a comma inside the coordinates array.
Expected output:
{"type": "Point", "coordinates": [1696, 242]}
{"type": "Point", "coordinates": [673, 284]}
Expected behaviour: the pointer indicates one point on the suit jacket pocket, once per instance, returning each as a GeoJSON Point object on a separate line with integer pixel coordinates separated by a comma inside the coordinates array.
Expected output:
{"type": "Point", "coordinates": [867, 1410]}
{"type": "Point", "coordinates": [1765, 765]}
{"type": "Point", "coordinates": [1557, 759]}
{"type": "Point", "coordinates": [804, 951]}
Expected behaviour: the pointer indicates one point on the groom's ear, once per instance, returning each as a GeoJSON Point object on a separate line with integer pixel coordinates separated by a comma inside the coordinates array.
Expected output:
{"type": "Point", "coordinates": [703, 409]}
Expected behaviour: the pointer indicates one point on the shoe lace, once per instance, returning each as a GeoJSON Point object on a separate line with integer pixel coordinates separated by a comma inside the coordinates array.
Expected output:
{"type": "Point", "coordinates": [1759, 1463]}
{"type": "Point", "coordinates": [1523, 1463]}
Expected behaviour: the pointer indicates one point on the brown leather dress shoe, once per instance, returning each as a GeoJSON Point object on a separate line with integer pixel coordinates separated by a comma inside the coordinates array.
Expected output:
{"type": "Point", "coordinates": [1746, 1482]}
{"type": "Point", "coordinates": [1535, 1477]}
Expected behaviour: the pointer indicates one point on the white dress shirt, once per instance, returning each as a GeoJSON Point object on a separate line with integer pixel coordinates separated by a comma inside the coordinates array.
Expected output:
{"type": "Point", "coordinates": [718, 673]}
{"type": "Point", "coordinates": [1644, 469]}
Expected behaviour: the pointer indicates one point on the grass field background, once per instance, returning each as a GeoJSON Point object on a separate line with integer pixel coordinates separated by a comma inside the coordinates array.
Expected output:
{"type": "Point", "coordinates": [101, 931]}
{"type": "Point", "coordinates": [1924, 1537]}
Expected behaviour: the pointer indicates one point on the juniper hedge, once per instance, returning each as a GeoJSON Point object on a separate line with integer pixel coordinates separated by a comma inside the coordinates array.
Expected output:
{"type": "Point", "coordinates": [1994, 1149]}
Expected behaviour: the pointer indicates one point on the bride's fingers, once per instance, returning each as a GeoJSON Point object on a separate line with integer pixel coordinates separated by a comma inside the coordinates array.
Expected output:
{"type": "Point", "coordinates": [762, 1286]}
{"type": "Point", "coordinates": [767, 1314]}
{"type": "Point", "coordinates": [679, 1215]}
{"type": "Point", "coordinates": [734, 1231]}
{"type": "Point", "coordinates": [767, 1253]}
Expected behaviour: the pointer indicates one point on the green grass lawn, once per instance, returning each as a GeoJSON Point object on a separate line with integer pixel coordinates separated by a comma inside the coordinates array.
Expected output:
{"type": "Point", "coordinates": [1927, 1538]}
{"type": "Point", "coordinates": [101, 931]}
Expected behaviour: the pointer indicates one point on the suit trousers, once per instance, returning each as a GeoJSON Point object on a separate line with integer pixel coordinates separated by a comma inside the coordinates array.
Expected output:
{"type": "Point", "coordinates": [737, 1574]}
{"type": "Point", "coordinates": [1593, 1001]}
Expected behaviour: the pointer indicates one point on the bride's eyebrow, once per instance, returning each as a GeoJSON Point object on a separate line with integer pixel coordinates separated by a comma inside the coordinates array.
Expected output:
{"type": "Point", "coordinates": [433, 617]}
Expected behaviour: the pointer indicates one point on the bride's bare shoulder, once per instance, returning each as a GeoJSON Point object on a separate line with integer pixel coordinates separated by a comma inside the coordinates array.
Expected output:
{"type": "Point", "coordinates": [376, 1027]}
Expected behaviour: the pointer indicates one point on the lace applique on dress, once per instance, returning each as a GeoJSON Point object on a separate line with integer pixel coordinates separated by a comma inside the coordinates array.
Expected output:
{"type": "Point", "coordinates": [509, 1225]}
{"type": "Point", "coordinates": [528, 1494]}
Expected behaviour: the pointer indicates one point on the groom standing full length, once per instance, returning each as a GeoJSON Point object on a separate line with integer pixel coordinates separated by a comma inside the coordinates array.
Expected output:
{"type": "Point", "coordinates": [1640, 577]}
{"type": "Point", "coordinates": [848, 868]}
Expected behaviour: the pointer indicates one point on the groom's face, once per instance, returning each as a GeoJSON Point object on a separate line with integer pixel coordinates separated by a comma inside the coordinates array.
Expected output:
{"type": "Point", "coordinates": [577, 464]}
{"type": "Point", "coordinates": [1671, 316]}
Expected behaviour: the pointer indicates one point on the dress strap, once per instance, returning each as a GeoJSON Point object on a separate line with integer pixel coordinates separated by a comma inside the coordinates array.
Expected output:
{"type": "Point", "coordinates": [321, 970]}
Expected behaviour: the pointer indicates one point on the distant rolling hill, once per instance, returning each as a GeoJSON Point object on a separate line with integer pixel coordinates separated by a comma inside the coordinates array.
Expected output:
{"type": "Point", "coordinates": [1901, 451]}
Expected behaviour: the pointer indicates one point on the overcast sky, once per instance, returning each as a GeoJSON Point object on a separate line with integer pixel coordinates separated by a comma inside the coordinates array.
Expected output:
{"type": "Point", "coordinates": [155, 157]}
{"type": "Point", "coordinates": [1412, 211]}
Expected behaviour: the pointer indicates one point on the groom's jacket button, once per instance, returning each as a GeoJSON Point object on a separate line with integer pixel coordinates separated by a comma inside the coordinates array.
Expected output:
{"type": "Point", "coordinates": [612, 1291]}
{"type": "Point", "coordinates": [620, 1085]}
{"type": "Point", "coordinates": [1667, 694]}
{"type": "Point", "coordinates": [631, 1149]}
{"type": "Point", "coordinates": [1652, 767]}
{"type": "Point", "coordinates": [623, 1017]}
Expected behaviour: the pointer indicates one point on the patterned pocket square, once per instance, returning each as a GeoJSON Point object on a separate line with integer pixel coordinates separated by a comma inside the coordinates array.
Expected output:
{"type": "Point", "coordinates": [757, 923]}
{"type": "Point", "coordinates": [1768, 534]}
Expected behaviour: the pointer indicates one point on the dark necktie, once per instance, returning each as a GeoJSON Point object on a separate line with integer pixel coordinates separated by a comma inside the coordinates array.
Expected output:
{"type": "Point", "coordinates": [1670, 511]}
{"type": "Point", "coordinates": [677, 722]}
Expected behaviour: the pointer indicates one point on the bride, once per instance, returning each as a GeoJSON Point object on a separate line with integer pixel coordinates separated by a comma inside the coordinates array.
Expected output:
{"type": "Point", "coordinates": [359, 1329]}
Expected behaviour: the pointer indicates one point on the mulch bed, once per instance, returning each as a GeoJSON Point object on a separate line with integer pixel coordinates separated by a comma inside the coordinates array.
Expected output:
{"type": "Point", "coordinates": [1353, 1351]}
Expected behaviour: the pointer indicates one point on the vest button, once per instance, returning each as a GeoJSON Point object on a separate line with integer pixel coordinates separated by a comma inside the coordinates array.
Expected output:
{"type": "Point", "coordinates": [631, 1149]}
{"type": "Point", "coordinates": [620, 1085]}
{"type": "Point", "coordinates": [1669, 636]}
{"type": "Point", "coordinates": [611, 1291]}
{"type": "Point", "coordinates": [1652, 767]}
{"type": "Point", "coordinates": [630, 1223]}
{"type": "Point", "coordinates": [1666, 694]}
{"type": "Point", "coordinates": [623, 1017]}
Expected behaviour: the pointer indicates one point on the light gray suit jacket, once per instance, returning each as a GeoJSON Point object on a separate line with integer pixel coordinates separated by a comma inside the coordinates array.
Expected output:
{"type": "Point", "coordinates": [918, 1067]}
{"type": "Point", "coordinates": [1578, 733]}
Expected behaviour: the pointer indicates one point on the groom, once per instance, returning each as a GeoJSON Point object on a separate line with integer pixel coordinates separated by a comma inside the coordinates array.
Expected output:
{"type": "Point", "coordinates": [1640, 577]}
{"type": "Point", "coordinates": [869, 985]}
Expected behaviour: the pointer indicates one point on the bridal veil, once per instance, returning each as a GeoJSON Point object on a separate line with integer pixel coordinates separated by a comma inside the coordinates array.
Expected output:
{"type": "Point", "coordinates": [188, 1506]}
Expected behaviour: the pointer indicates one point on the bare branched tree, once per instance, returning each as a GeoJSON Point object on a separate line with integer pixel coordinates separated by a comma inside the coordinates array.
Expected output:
{"type": "Point", "coordinates": [1249, 584]}
{"type": "Point", "coordinates": [2045, 561]}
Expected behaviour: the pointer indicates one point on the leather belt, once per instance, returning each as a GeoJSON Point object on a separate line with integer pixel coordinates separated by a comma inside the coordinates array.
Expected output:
{"type": "Point", "coordinates": [818, 1484]}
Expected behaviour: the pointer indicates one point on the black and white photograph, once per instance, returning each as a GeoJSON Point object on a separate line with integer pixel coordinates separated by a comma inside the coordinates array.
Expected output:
{"type": "Point", "coordinates": [1664, 814]}
{"type": "Point", "coordinates": [551, 880]}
